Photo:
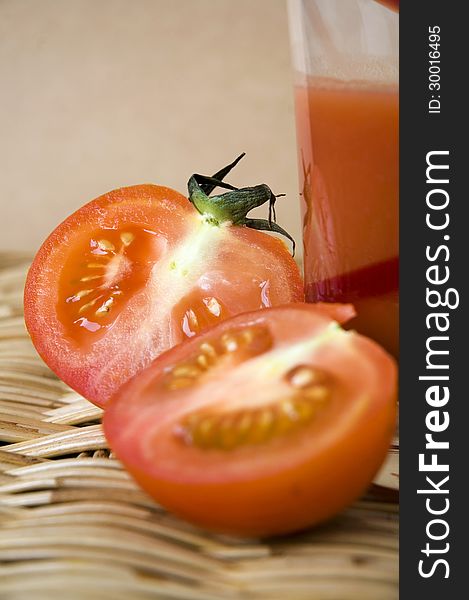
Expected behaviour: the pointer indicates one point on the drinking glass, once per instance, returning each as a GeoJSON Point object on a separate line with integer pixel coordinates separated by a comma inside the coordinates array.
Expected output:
{"type": "Point", "coordinates": [345, 55]}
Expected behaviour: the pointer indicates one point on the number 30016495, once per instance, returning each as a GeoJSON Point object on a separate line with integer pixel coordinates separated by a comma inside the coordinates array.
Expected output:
{"type": "Point", "coordinates": [434, 68]}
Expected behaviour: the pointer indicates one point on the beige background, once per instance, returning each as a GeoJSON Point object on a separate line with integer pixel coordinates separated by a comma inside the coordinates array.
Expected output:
{"type": "Point", "coordinates": [98, 94]}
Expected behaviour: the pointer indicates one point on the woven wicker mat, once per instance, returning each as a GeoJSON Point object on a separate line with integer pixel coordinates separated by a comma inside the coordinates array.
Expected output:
{"type": "Point", "coordinates": [74, 525]}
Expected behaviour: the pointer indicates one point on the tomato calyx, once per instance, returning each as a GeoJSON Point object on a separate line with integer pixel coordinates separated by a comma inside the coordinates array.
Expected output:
{"type": "Point", "coordinates": [234, 206]}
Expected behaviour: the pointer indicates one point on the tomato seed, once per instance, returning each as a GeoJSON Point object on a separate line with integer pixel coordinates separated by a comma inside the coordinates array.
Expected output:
{"type": "Point", "coordinates": [106, 245]}
{"type": "Point", "coordinates": [81, 294]}
{"type": "Point", "coordinates": [288, 409]}
{"type": "Point", "coordinates": [244, 425]}
{"type": "Point", "coordinates": [208, 350]}
{"type": "Point", "coordinates": [178, 383]}
{"type": "Point", "coordinates": [317, 392]}
{"type": "Point", "coordinates": [228, 438]}
{"type": "Point", "coordinates": [201, 434]}
{"type": "Point", "coordinates": [88, 305]}
{"type": "Point", "coordinates": [186, 371]}
{"type": "Point", "coordinates": [304, 410]}
{"type": "Point", "coordinates": [213, 306]}
{"type": "Point", "coordinates": [202, 361]}
{"type": "Point", "coordinates": [105, 307]}
{"type": "Point", "coordinates": [304, 376]}
{"type": "Point", "coordinates": [229, 342]}
{"type": "Point", "coordinates": [127, 238]}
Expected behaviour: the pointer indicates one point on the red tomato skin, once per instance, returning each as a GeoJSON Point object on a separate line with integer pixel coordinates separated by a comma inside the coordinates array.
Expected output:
{"type": "Point", "coordinates": [83, 371]}
{"type": "Point", "coordinates": [233, 508]}
{"type": "Point", "coordinates": [262, 505]}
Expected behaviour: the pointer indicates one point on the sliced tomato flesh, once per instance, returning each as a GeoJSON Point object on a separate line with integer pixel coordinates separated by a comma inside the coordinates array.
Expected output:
{"type": "Point", "coordinates": [137, 271]}
{"type": "Point", "coordinates": [268, 423]}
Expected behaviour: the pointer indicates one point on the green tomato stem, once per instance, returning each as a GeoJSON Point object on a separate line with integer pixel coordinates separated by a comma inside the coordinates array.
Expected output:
{"type": "Point", "coordinates": [233, 206]}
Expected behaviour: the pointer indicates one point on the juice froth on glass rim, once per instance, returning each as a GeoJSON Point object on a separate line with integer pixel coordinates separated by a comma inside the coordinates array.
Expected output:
{"type": "Point", "coordinates": [349, 177]}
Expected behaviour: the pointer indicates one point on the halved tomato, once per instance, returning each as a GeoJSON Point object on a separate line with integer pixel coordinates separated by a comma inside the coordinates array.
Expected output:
{"type": "Point", "coordinates": [140, 269]}
{"type": "Point", "coordinates": [267, 423]}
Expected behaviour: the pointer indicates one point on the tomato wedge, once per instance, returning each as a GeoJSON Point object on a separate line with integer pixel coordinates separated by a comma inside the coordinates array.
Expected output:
{"type": "Point", "coordinates": [270, 422]}
{"type": "Point", "coordinates": [140, 269]}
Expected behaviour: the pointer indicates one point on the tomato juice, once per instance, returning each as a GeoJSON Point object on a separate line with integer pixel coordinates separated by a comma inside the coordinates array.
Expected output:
{"type": "Point", "coordinates": [349, 176]}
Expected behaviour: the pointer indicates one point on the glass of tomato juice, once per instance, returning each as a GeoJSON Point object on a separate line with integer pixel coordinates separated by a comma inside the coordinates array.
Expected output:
{"type": "Point", "coordinates": [345, 55]}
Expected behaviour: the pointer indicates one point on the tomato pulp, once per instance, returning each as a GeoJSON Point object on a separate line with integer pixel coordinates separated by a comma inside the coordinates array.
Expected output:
{"type": "Point", "coordinates": [267, 423]}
